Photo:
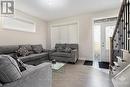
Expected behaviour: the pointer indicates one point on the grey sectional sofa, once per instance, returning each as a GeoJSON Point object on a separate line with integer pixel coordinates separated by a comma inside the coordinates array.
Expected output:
{"type": "Point", "coordinates": [33, 58]}
{"type": "Point", "coordinates": [63, 56]}
{"type": "Point", "coordinates": [34, 76]}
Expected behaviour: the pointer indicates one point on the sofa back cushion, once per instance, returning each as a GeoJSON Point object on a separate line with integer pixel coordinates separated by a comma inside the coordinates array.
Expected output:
{"type": "Point", "coordinates": [60, 47]}
{"type": "Point", "coordinates": [8, 49]}
{"type": "Point", "coordinates": [9, 70]}
{"type": "Point", "coordinates": [28, 47]}
{"type": "Point", "coordinates": [37, 48]}
{"type": "Point", "coordinates": [72, 46]}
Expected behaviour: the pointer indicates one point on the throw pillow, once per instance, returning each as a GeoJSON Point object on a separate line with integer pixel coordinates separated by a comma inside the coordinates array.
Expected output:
{"type": "Point", "coordinates": [59, 49]}
{"type": "Point", "coordinates": [31, 52]}
{"type": "Point", "coordinates": [27, 46]}
{"type": "Point", "coordinates": [22, 51]}
{"type": "Point", "coordinates": [9, 70]}
{"type": "Point", "coordinates": [37, 48]}
{"type": "Point", "coordinates": [67, 50]}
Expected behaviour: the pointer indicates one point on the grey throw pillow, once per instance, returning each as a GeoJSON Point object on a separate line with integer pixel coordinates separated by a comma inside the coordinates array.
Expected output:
{"type": "Point", "coordinates": [9, 70]}
{"type": "Point", "coordinates": [37, 48]}
{"type": "Point", "coordinates": [22, 51]}
{"type": "Point", "coordinates": [60, 49]}
{"type": "Point", "coordinates": [67, 50]}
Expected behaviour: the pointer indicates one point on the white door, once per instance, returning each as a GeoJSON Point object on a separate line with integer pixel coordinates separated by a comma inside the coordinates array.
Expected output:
{"type": "Point", "coordinates": [107, 30]}
{"type": "Point", "coordinates": [102, 34]}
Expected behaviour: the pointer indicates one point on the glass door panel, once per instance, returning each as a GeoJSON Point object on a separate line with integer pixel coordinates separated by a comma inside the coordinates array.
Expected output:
{"type": "Point", "coordinates": [97, 42]}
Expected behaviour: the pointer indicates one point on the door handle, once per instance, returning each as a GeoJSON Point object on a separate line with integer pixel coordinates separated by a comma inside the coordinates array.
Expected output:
{"type": "Point", "coordinates": [102, 44]}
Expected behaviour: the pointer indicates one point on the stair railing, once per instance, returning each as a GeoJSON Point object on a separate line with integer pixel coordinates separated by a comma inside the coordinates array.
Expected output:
{"type": "Point", "coordinates": [121, 38]}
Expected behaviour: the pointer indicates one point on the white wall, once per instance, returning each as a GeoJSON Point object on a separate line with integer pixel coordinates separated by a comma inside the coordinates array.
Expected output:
{"type": "Point", "coordinates": [85, 30]}
{"type": "Point", "coordinates": [12, 37]}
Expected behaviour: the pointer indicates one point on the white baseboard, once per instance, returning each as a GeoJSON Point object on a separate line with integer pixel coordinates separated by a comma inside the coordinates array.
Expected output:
{"type": "Point", "coordinates": [83, 58]}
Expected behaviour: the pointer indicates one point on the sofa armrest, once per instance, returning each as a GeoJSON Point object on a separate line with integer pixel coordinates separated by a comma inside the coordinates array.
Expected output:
{"type": "Point", "coordinates": [74, 54]}
{"type": "Point", "coordinates": [38, 76]}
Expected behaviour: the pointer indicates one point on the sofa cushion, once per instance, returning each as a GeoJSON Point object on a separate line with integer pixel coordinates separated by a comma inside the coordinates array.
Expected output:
{"type": "Point", "coordinates": [31, 52]}
{"type": "Point", "coordinates": [22, 51]}
{"type": "Point", "coordinates": [33, 57]}
{"type": "Point", "coordinates": [60, 49]}
{"type": "Point", "coordinates": [60, 46]}
{"type": "Point", "coordinates": [37, 48]}
{"type": "Point", "coordinates": [28, 47]}
{"type": "Point", "coordinates": [9, 70]}
{"type": "Point", "coordinates": [72, 46]}
{"type": "Point", "coordinates": [61, 54]}
{"type": "Point", "coordinates": [8, 49]}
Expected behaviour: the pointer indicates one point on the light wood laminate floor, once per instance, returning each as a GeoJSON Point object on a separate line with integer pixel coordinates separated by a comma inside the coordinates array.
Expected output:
{"type": "Point", "coordinates": [79, 75]}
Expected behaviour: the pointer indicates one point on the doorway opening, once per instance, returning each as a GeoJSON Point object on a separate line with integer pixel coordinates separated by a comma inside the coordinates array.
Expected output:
{"type": "Point", "coordinates": [102, 31]}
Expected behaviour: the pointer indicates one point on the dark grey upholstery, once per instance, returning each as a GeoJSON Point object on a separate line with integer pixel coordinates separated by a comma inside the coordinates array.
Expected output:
{"type": "Point", "coordinates": [72, 46]}
{"type": "Point", "coordinates": [8, 49]}
{"type": "Point", "coordinates": [61, 54]}
{"type": "Point", "coordinates": [11, 49]}
{"type": "Point", "coordinates": [37, 48]}
{"type": "Point", "coordinates": [65, 56]}
{"type": "Point", "coordinates": [34, 57]}
{"type": "Point", "coordinates": [34, 76]}
{"type": "Point", "coordinates": [28, 47]}
{"type": "Point", "coordinates": [9, 70]}
{"type": "Point", "coordinates": [60, 45]}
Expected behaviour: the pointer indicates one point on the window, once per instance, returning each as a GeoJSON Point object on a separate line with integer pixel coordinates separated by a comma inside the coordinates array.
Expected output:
{"type": "Point", "coordinates": [64, 34]}
{"type": "Point", "coordinates": [97, 41]}
{"type": "Point", "coordinates": [18, 24]}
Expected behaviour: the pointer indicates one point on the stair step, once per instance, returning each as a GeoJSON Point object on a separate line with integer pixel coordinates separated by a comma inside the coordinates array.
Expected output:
{"type": "Point", "coordinates": [125, 50]}
{"type": "Point", "coordinates": [119, 58]}
{"type": "Point", "coordinates": [116, 64]}
{"type": "Point", "coordinates": [113, 68]}
{"type": "Point", "coordinates": [128, 38]}
{"type": "Point", "coordinates": [118, 69]}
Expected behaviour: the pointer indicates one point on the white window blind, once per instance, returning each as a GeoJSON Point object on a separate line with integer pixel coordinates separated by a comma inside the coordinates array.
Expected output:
{"type": "Point", "coordinates": [64, 34]}
{"type": "Point", "coordinates": [18, 24]}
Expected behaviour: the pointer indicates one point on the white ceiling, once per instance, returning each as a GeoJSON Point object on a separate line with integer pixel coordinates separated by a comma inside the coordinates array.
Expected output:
{"type": "Point", "coordinates": [63, 8]}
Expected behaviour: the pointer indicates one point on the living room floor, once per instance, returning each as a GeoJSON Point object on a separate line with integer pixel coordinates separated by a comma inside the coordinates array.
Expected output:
{"type": "Point", "coordinates": [79, 75]}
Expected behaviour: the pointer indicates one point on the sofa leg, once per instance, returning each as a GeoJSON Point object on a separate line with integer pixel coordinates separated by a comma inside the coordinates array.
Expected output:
{"type": "Point", "coordinates": [76, 61]}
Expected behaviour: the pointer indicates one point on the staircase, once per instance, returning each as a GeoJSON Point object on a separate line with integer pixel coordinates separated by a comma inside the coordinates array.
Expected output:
{"type": "Point", "coordinates": [120, 42]}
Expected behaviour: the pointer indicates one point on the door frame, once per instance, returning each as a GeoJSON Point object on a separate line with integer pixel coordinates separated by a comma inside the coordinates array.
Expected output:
{"type": "Point", "coordinates": [93, 33]}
